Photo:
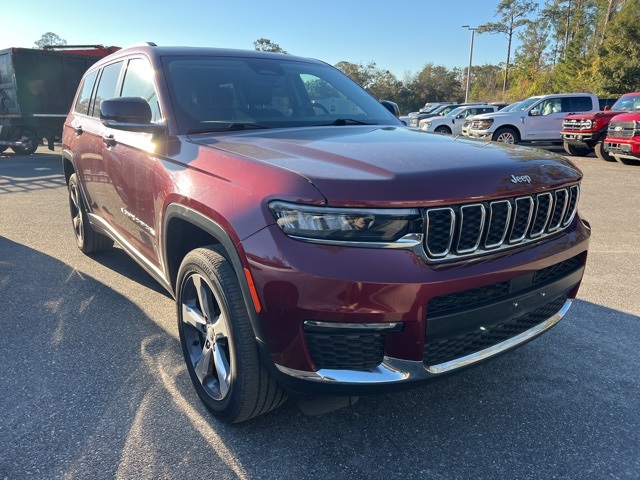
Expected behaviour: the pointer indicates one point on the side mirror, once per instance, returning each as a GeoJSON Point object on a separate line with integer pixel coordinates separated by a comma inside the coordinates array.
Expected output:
{"type": "Point", "coordinates": [391, 106]}
{"type": "Point", "coordinates": [607, 108]}
{"type": "Point", "coordinates": [128, 113]}
{"type": "Point", "coordinates": [534, 113]}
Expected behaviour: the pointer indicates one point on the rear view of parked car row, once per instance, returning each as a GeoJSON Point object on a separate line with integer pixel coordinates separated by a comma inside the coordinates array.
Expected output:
{"type": "Point", "coordinates": [581, 121]}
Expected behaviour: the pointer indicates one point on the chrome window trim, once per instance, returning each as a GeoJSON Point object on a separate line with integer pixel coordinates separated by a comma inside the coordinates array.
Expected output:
{"type": "Point", "coordinates": [482, 220]}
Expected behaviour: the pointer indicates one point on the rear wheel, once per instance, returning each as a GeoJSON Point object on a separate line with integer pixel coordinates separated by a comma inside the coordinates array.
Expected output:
{"type": "Point", "coordinates": [602, 154]}
{"type": "Point", "coordinates": [506, 135]}
{"type": "Point", "coordinates": [87, 239]}
{"type": "Point", "coordinates": [576, 151]}
{"type": "Point", "coordinates": [29, 142]}
{"type": "Point", "coordinates": [218, 342]}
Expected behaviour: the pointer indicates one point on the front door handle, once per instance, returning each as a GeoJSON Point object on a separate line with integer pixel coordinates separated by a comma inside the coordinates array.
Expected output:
{"type": "Point", "coordinates": [109, 141]}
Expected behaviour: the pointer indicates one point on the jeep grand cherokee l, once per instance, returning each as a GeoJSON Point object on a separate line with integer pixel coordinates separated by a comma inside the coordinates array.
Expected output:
{"type": "Point", "coordinates": [313, 244]}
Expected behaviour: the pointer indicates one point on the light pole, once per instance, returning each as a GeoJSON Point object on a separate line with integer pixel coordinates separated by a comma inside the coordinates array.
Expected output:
{"type": "Point", "coordinates": [473, 33]}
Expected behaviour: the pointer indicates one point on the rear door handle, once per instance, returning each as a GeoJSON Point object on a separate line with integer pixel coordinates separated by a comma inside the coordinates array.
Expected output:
{"type": "Point", "coordinates": [109, 141]}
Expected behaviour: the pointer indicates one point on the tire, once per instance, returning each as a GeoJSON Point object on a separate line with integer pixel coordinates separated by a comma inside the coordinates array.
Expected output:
{"type": "Point", "coordinates": [443, 130]}
{"type": "Point", "coordinates": [602, 154]}
{"type": "Point", "coordinates": [218, 342]}
{"type": "Point", "coordinates": [506, 135]}
{"type": "Point", "coordinates": [576, 151]}
{"type": "Point", "coordinates": [31, 144]}
{"type": "Point", "coordinates": [87, 239]}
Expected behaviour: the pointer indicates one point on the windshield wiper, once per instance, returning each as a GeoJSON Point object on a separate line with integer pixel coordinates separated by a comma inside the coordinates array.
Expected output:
{"type": "Point", "coordinates": [228, 126]}
{"type": "Point", "coordinates": [347, 121]}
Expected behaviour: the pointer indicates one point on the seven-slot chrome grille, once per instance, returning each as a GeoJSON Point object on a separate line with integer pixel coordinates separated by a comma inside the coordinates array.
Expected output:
{"type": "Point", "coordinates": [472, 229]}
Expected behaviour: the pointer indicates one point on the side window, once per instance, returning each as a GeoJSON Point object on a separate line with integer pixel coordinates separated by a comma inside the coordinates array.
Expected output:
{"type": "Point", "coordinates": [549, 106]}
{"type": "Point", "coordinates": [82, 103]}
{"type": "Point", "coordinates": [107, 86]}
{"type": "Point", "coordinates": [577, 104]}
{"type": "Point", "coordinates": [138, 82]}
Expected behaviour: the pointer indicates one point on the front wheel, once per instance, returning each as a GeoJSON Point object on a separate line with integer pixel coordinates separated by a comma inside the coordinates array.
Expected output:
{"type": "Point", "coordinates": [29, 144]}
{"type": "Point", "coordinates": [506, 135]}
{"type": "Point", "coordinates": [218, 342]}
{"type": "Point", "coordinates": [443, 130]}
{"type": "Point", "coordinates": [87, 239]}
{"type": "Point", "coordinates": [576, 151]}
{"type": "Point", "coordinates": [602, 154]}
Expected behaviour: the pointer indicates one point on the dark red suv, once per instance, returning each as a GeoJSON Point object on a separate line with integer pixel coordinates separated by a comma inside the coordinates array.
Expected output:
{"type": "Point", "coordinates": [313, 244]}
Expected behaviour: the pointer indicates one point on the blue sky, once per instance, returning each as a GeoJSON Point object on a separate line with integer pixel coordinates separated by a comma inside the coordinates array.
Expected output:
{"type": "Point", "coordinates": [399, 36]}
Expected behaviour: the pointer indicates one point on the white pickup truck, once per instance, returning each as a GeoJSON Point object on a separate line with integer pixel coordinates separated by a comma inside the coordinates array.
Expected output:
{"type": "Point", "coordinates": [537, 119]}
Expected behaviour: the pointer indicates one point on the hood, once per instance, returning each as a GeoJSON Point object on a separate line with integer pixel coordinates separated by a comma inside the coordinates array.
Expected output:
{"type": "Point", "coordinates": [592, 115]}
{"type": "Point", "coordinates": [387, 166]}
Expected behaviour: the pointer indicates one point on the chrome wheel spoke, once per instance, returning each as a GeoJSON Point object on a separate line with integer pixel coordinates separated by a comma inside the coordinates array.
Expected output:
{"type": "Point", "coordinates": [194, 318]}
{"type": "Point", "coordinates": [204, 295]}
{"type": "Point", "coordinates": [220, 328]}
{"type": "Point", "coordinates": [202, 366]}
{"type": "Point", "coordinates": [223, 371]}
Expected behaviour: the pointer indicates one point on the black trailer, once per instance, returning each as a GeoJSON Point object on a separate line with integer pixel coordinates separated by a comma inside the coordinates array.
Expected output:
{"type": "Point", "coordinates": [36, 91]}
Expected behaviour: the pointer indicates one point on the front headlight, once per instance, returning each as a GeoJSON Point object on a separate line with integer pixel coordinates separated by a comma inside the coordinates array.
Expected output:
{"type": "Point", "coordinates": [587, 125]}
{"type": "Point", "coordinates": [484, 124]}
{"type": "Point", "coordinates": [345, 224]}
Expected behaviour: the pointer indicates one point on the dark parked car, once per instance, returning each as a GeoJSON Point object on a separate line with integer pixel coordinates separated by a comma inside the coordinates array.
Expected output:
{"type": "Point", "coordinates": [313, 244]}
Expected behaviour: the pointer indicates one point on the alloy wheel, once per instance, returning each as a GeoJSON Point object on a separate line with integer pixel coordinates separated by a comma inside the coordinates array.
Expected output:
{"type": "Point", "coordinates": [207, 336]}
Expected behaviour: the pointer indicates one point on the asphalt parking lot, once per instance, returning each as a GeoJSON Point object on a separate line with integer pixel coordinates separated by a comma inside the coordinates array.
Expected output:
{"type": "Point", "coordinates": [94, 385]}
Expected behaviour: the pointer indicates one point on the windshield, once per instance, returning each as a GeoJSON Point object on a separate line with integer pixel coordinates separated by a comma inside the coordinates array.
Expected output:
{"type": "Point", "coordinates": [511, 108]}
{"type": "Point", "coordinates": [223, 93]}
{"type": "Point", "coordinates": [526, 104]}
{"type": "Point", "coordinates": [454, 112]}
{"type": "Point", "coordinates": [629, 103]}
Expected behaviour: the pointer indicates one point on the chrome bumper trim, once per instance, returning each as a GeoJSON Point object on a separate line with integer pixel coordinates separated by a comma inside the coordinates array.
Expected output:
{"type": "Point", "coordinates": [394, 370]}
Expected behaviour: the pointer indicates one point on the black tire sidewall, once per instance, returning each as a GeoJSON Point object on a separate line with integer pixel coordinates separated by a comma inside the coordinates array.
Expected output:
{"type": "Point", "coordinates": [196, 263]}
{"type": "Point", "coordinates": [516, 137]}
{"type": "Point", "coordinates": [73, 180]}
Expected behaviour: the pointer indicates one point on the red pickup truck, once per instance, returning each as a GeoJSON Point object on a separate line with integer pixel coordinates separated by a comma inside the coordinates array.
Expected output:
{"type": "Point", "coordinates": [583, 133]}
{"type": "Point", "coordinates": [623, 137]}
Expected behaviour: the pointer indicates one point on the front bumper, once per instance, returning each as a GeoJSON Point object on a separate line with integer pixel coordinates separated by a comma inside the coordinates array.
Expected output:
{"type": "Point", "coordinates": [481, 134]}
{"type": "Point", "coordinates": [582, 140]}
{"type": "Point", "coordinates": [623, 148]}
{"type": "Point", "coordinates": [440, 309]}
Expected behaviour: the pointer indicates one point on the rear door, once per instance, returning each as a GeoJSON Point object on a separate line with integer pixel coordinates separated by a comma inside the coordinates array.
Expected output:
{"type": "Point", "coordinates": [89, 142]}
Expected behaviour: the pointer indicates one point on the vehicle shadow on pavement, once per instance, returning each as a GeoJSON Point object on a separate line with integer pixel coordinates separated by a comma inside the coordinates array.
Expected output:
{"type": "Point", "coordinates": [94, 388]}
{"type": "Point", "coordinates": [563, 406]}
{"type": "Point", "coordinates": [81, 390]}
